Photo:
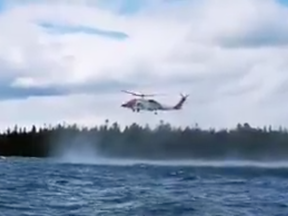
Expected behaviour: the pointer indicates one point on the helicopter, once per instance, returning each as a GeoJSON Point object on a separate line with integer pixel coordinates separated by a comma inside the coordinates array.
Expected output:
{"type": "Point", "coordinates": [139, 104]}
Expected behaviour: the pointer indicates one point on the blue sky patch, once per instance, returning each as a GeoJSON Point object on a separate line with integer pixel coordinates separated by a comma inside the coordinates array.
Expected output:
{"type": "Point", "coordinates": [284, 2]}
{"type": "Point", "coordinates": [125, 7]}
{"type": "Point", "coordinates": [132, 6]}
{"type": "Point", "coordinates": [2, 5]}
{"type": "Point", "coordinates": [64, 29]}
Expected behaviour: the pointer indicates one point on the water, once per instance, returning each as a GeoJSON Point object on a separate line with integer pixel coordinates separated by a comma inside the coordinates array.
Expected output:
{"type": "Point", "coordinates": [48, 187]}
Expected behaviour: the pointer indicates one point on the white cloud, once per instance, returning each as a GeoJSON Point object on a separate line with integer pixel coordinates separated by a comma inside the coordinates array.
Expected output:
{"type": "Point", "coordinates": [231, 58]}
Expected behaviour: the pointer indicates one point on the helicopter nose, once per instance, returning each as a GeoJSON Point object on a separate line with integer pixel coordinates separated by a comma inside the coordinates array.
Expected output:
{"type": "Point", "coordinates": [123, 105]}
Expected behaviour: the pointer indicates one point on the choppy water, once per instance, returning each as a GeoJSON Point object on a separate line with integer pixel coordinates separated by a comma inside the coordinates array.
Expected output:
{"type": "Point", "coordinates": [43, 187]}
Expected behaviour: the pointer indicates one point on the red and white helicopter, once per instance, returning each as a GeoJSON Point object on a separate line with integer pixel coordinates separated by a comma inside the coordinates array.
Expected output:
{"type": "Point", "coordinates": [137, 104]}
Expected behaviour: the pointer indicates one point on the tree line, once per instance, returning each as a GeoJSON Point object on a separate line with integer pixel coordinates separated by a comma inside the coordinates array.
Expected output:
{"type": "Point", "coordinates": [143, 142]}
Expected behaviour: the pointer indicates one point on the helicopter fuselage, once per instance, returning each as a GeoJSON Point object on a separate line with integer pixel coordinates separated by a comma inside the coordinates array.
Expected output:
{"type": "Point", "coordinates": [143, 104]}
{"type": "Point", "coordinates": [137, 104]}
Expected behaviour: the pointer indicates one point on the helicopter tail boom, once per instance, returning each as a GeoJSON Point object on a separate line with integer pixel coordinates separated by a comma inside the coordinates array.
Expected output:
{"type": "Point", "coordinates": [177, 106]}
{"type": "Point", "coordinates": [181, 102]}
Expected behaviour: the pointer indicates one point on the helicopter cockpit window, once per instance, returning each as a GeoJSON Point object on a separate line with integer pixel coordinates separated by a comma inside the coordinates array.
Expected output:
{"type": "Point", "coordinates": [152, 101]}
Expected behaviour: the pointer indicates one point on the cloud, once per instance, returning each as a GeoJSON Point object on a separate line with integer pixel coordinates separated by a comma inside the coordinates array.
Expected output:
{"type": "Point", "coordinates": [59, 29]}
{"type": "Point", "coordinates": [76, 56]}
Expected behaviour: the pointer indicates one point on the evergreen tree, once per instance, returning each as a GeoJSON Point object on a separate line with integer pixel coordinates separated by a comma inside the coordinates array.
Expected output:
{"type": "Point", "coordinates": [163, 142]}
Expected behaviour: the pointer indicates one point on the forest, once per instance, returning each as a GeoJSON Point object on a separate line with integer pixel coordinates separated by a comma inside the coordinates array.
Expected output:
{"type": "Point", "coordinates": [143, 142]}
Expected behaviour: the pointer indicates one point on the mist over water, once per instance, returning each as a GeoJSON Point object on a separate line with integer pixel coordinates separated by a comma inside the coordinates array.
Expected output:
{"type": "Point", "coordinates": [86, 153]}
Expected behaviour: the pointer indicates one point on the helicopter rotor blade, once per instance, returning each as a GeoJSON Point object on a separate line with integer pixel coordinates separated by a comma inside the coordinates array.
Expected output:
{"type": "Point", "coordinates": [132, 93]}
{"type": "Point", "coordinates": [140, 95]}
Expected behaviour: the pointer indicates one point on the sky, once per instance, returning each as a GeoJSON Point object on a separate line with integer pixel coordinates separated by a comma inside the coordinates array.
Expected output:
{"type": "Point", "coordinates": [67, 61]}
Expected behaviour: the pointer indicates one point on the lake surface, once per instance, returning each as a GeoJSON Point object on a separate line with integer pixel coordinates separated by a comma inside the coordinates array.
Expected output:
{"type": "Point", "coordinates": [50, 187]}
